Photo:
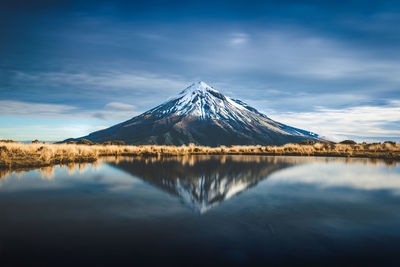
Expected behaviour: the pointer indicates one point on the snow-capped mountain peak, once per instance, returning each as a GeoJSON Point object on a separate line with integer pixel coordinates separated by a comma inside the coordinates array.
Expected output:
{"type": "Point", "coordinates": [202, 100]}
{"type": "Point", "coordinates": [202, 115]}
{"type": "Point", "coordinates": [199, 87]}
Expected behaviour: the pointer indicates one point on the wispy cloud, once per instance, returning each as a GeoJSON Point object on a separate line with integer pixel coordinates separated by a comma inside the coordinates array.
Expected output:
{"type": "Point", "coordinates": [106, 80]}
{"type": "Point", "coordinates": [119, 106]}
{"type": "Point", "coordinates": [238, 39]}
{"type": "Point", "coordinates": [111, 111]}
{"type": "Point", "coordinates": [336, 124]}
{"type": "Point", "coordinates": [290, 53]}
{"type": "Point", "coordinates": [25, 109]}
{"type": "Point", "coordinates": [141, 90]}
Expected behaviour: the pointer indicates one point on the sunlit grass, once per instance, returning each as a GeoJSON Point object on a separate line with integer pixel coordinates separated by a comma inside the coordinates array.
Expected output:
{"type": "Point", "coordinates": [14, 154]}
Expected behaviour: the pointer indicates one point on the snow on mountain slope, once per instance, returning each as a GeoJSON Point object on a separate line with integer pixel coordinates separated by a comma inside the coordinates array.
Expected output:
{"type": "Point", "coordinates": [203, 101]}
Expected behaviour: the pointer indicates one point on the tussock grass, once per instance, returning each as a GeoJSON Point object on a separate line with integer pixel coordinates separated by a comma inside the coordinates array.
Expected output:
{"type": "Point", "coordinates": [18, 155]}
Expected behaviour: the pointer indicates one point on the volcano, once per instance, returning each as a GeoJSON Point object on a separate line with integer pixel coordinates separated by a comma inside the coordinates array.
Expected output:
{"type": "Point", "coordinates": [202, 115]}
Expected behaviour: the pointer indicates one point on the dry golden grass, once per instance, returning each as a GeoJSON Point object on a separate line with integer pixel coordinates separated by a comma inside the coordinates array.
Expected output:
{"type": "Point", "coordinates": [18, 155]}
{"type": "Point", "coordinates": [35, 155]}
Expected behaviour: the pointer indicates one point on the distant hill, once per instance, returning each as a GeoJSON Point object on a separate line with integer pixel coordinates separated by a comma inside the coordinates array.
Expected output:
{"type": "Point", "coordinates": [202, 115]}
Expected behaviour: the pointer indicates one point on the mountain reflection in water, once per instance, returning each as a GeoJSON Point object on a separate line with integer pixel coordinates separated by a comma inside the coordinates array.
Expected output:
{"type": "Point", "coordinates": [202, 182]}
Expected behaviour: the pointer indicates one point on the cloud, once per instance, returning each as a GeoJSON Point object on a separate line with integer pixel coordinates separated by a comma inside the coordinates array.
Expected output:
{"type": "Point", "coordinates": [119, 106]}
{"type": "Point", "coordinates": [288, 59]}
{"type": "Point", "coordinates": [282, 102]}
{"type": "Point", "coordinates": [345, 67]}
{"type": "Point", "coordinates": [336, 124]}
{"type": "Point", "coordinates": [106, 80]}
{"type": "Point", "coordinates": [139, 90]}
{"type": "Point", "coordinates": [25, 109]}
{"type": "Point", "coordinates": [111, 111]}
{"type": "Point", "coordinates": [238, 39]}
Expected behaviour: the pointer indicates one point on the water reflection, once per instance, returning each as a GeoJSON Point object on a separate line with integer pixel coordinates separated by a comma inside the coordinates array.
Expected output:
{"type": "Point", "coordinates": [48, 172]}
{"type": "Point", "coordinates": [203, 181]}
{"type": "Point", "coordinates": [337, 175]}
{"type": "Point", "coordinates": [72, 168]}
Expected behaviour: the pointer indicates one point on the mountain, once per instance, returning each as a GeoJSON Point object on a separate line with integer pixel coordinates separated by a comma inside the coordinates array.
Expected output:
{"type": "Point", "coordinates": [202, 182]}
{"type": "Point", "coordinates": [202, 115]}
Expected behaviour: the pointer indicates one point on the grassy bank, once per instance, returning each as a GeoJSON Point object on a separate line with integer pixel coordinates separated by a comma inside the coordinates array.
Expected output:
{"type": "Point", "coordinates": [18, 155]}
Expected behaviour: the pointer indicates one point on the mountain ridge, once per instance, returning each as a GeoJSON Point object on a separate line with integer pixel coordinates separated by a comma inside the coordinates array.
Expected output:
{"type": "Point", "coordinates": [202, 115]}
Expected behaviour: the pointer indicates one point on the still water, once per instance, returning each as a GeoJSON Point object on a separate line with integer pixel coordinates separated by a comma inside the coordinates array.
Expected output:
{"type": "Point", "coordinates": [203, 210]}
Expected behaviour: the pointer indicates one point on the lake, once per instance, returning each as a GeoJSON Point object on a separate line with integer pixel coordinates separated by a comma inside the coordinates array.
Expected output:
{"type": "Point", "coordinates": [203, 210]}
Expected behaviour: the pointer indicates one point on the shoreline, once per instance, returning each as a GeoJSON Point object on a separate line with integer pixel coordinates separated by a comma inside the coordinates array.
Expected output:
{"type": "Point", "coordinates": [15, 155]}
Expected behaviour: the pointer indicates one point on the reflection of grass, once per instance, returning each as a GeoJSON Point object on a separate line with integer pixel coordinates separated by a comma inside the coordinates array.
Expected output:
{"type": "Point", "coordinates": [18, 155]}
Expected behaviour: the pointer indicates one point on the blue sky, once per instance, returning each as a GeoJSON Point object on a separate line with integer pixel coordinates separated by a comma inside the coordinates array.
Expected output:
{"type": "Point", "coordinates": [71, 67]}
